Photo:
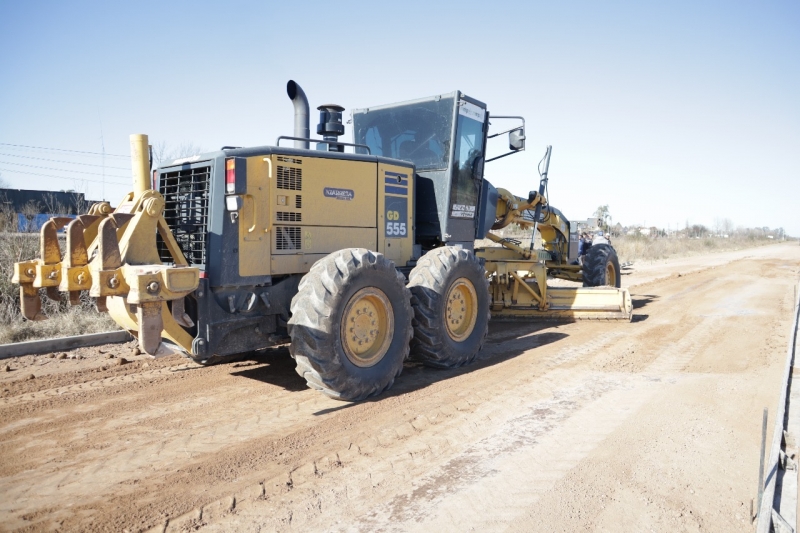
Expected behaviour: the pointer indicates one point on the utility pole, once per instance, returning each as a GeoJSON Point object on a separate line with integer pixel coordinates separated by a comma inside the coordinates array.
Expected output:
{"type": "Point", "coordinates": [103, 156]}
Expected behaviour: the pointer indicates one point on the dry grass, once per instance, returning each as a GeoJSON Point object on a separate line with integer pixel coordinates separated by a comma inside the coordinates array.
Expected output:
{"type": "Point", "coordinates": [64, 320]}
{"type": "Point", "coordinates": [642, 248]}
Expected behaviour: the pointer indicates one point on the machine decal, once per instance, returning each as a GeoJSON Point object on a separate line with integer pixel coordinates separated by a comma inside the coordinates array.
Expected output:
{"type": "Point", "coordinates": [391, 180]}
{"type": "Point", "coordinates": [339, 194]}
{"type": "Point", "coordinates": [396, 216]}
{"type": "Point", "coordinates": [471, 110]}
{"type": "Point", "coordinates": [463, 211]}
{"type": "Point", "coordinates": [396, 190]}
{"type": "Point", "coordinates": [396, 183]}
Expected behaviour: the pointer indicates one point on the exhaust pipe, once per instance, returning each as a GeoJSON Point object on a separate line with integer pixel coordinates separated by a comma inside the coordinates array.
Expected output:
{"type": "Point", "coordinates": [301, 113]}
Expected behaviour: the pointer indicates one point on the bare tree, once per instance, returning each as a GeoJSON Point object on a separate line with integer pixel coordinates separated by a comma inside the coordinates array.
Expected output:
{"type": "Point", "coordinates": [8, 217]}
{"type": "Point", "coordinates": [727, 226]}
{"type": "Point", "coordinates": [163, 152]}
{"type": "Point", "coordinates": [29, 211]}
{"type": "Point", "coordinates": [603, 215]}
{"type": "Point", "coordinates": [53, 205]}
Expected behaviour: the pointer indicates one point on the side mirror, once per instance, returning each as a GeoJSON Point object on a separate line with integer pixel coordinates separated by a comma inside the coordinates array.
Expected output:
{"type": "Point", "coordinates": [516, 139]}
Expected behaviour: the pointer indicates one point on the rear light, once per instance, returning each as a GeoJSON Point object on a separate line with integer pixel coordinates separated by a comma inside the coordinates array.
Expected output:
{"type": "Point", "coordinates": [155, 180]}
{"type": "Point", "coordinates": [230, 176]}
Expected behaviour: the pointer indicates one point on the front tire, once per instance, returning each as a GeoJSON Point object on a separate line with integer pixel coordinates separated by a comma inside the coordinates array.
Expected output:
{"type": "Point", "coordinates": [351, 324]}
{"type": "Point", "coordinates": [601, 267]}
{"type": "Point", "coordinates": [450, 297]}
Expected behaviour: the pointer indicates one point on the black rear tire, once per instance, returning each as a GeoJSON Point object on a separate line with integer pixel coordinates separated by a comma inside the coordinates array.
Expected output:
{"type": "Point", "coordinates": [351, 285]}
{"type": "Point", "coordinates": [601, 267]}
{"type": "Point", "coordinates": [450, 297]}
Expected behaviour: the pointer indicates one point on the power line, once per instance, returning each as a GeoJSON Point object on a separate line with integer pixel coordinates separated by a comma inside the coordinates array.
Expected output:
{"type": "Point", "coordinates": [62, 169]}
{"type": "Point", "coordinates": [61, 177]}
{"type": "Point", "coordinates": [63, 161]}
{"type": "Point", "coordinates": [61, 150]}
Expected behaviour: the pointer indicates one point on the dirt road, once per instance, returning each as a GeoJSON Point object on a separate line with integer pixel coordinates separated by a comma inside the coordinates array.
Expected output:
{"type": "Point", "coordinates": [652, 425]}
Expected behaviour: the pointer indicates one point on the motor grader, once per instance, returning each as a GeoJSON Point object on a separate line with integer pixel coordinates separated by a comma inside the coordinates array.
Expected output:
{"type": "Point", "coordinates": [360, 254]}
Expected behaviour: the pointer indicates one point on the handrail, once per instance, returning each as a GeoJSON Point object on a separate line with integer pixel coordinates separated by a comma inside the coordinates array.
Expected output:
{"type": "Point", "coordinates": [288, 138]}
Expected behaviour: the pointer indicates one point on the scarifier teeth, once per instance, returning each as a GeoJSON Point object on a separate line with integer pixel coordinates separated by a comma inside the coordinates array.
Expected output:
{"type": "Point", "coordinates": [148, 315]}
{"type": "Point", "coordinates": [30, 303]}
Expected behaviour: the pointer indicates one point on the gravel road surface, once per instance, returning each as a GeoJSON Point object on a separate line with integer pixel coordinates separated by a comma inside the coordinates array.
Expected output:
{"type": "Point", "coordinates": [652, 425]}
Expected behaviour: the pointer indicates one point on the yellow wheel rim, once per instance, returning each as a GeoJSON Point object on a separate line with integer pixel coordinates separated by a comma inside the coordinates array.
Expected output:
{"type": "Point", "coordinates": [611, 275]}
{"type": "Point", "coordinates": [367, 327]}
{"type": "Point", "coordinates": [461, 309]}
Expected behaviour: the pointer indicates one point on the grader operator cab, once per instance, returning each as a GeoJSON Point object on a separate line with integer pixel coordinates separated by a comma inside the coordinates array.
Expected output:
{"type": "Point", "coordinates": [360, 258]}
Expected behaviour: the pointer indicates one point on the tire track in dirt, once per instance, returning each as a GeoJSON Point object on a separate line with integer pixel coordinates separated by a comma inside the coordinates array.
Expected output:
{"type": "Point", "coordinates": [496, 472]}
{"type": "Point", "coordinates": [508, 490]}
{"type": "Point", "coordinates": [135, 454]}
{"type": "Point", "coordinates": [412, 448]}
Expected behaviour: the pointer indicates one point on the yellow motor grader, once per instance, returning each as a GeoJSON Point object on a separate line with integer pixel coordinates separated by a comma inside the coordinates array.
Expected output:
{"type": "Point", "coordinates": [360, 254]}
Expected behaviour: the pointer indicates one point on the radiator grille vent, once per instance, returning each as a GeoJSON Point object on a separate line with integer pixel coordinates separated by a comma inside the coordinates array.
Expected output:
{"type": "Point", "coordinates": [290, 178]}
{"type": "Point", "coordinates": [288, 238]}
{"type": "Point", "coordinates": [186, 195]}
{"type": "Point", "coordinates": [286, 159]}
{"type": "Point", "coordinates": [298, 201]}
{"type": "Point", "coordinates": [284, 216]}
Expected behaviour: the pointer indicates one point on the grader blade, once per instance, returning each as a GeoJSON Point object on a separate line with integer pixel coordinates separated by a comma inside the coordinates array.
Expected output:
{"type": "Point", "coordinates": [569, 303]}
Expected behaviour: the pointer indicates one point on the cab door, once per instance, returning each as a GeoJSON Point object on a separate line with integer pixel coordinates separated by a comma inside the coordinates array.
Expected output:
{"type": "Point", "coordinates": [467, 171]}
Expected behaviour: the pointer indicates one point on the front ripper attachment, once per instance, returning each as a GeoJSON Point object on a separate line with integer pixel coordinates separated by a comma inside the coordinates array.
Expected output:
{"type": "Point", "coordinates": [129, 280]}
{"type": "Point", "coordinates": [41, 273]}
{"type": "Point", "coordinates": [114, 256]}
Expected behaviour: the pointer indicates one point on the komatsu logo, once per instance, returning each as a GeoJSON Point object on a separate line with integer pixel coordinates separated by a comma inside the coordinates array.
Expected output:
{"type": "Point", "coordinates": [339, 194]}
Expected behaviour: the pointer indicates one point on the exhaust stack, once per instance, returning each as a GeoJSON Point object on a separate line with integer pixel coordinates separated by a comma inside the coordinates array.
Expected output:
{"type": "Point", "coordinates": [301, 113]}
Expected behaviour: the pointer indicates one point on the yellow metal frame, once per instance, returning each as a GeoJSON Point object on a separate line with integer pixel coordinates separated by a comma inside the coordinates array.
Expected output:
{"type": "Point", "coordinates": [125, 274]}
{"type": "Point", "coordinates": [518, 276]}
{"type": "Point", "coordinates": [518, 287]}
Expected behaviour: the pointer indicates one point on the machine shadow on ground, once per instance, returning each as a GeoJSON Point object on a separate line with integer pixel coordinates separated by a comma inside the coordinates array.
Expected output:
{"type": "Point", "coordinates": [417, 376]}
{"type": "Point", "coordinates": [642, 300]}
{"type": "Point", "coordinates": [273, 366]}
{"type": "Point", "coordinates": [276, 367]}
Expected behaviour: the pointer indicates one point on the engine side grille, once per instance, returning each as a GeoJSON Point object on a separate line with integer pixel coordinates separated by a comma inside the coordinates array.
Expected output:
{"type": "Point", "coordinates": [287, 159]}
{"type": "Point", "coordinates": [285, 216]}
{"type": "Point", "coordinates": [288, 238]}
{"type": "Point", "coordinates": [290, 178]}
{"type": "Point", "coordinates": [298, 201]}
{"type": "Point", "coordinates": [186, 194]}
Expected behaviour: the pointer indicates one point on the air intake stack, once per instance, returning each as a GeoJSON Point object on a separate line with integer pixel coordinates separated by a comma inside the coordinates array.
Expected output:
{"type": "Point", "coordinates": [330, 127]}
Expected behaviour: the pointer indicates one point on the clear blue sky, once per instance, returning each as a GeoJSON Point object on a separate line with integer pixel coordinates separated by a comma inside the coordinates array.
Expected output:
{"type": "Point", "coordinates": [666, 111]}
